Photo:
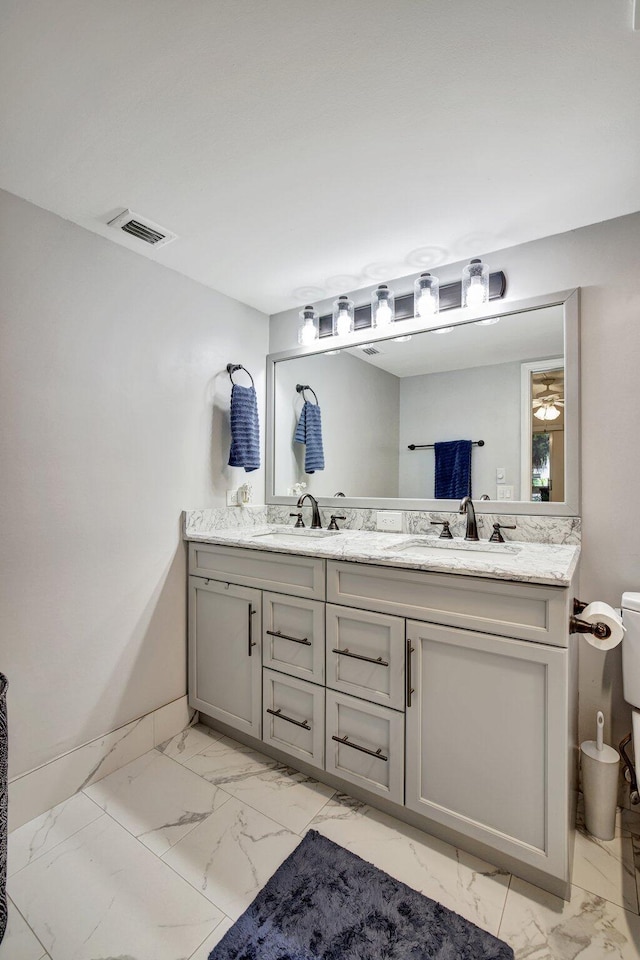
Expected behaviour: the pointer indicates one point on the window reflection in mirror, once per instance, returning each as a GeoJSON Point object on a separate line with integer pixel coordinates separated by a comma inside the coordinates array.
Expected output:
{"type": "Point", "coordinates": [547, 434]}
{"type": "Point", "coordinates": [468, 383]}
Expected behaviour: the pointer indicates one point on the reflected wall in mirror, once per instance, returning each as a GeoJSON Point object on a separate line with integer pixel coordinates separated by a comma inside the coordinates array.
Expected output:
{"type": "Point", "coordinates": [501, 382]}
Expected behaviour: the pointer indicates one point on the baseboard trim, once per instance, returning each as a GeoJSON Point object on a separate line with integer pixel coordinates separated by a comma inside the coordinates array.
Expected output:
{"type": "Point", "coordinates": [36, 791]}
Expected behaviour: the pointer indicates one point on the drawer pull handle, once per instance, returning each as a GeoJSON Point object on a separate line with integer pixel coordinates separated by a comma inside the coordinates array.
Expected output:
{"type": "Point", "coordinates": [283, 636]}
{"type": "Point", "coordinates": [251, 641]}
{"type": "Point", "coordinates": [410, 689]}
{"type": "Point", "coordinates": [379, 662]}
{"type": "Point", "coordinates": [282, 716]}
{"type": "Point", "coordinates": [378, 754]}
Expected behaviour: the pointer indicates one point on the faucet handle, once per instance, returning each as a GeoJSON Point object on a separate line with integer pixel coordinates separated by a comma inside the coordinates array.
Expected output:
{"type": "Point", "coordinates": [299, 522]}
{"type": "Point", "coordinates": [496, 536]}
{"type": "Point", "coordinates": [333, 525]}
{"type": "Point", "coordinates": [446, 529]}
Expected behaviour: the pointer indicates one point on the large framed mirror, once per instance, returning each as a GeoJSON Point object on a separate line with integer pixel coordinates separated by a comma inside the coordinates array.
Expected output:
{"type": "Point", "coordinates": [507, 380]}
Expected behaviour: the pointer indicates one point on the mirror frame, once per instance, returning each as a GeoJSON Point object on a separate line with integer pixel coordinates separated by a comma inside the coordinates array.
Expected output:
{"type": "Point", "coordinates": [569, 507]}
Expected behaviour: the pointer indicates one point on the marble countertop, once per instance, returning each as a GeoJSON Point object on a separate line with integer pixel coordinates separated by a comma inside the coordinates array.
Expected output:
{"type": "Point", "coordinates": [514, 560]}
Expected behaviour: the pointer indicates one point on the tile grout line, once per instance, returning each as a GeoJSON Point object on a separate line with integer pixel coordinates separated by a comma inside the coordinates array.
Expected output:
{"type": "Point", "coordinates": [221, 920]}
{"type": "Point", "coordinates": [44, 852]}
{"type": "Point", "coordinates": [19, 911]}
{"type": "Point", "coordinates": [173, 870]}
{"type": "Point", "coordinates": [504, 905]}
{"type": "Point", "coordinates": [590, 893]}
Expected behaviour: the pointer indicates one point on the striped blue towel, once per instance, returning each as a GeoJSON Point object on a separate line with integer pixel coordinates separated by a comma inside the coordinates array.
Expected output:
{"type": "Point", "coordinates": [309, 432]}
{"type": "Point", "coordinates": [453, 469]}
{"type": "Point", "coordinates": [245, 429]}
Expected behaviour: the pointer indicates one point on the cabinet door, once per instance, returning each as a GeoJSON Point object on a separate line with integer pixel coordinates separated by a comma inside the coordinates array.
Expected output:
{"type": "Point", "coordinates": [487, 740]}
{"type": "Point", "coordinates": [365, 745]}
{"type": "Point", "coordinates": [294, 716]}
{"type": "Point", "coordinates": [293, 636]}
{"type": "Point", "coordinates": [365, 655]}
{"type": "Point", "coordinates": [224, 653]}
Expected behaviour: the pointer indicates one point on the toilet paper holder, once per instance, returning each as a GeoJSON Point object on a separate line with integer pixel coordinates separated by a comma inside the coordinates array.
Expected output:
{"type": "Point", "coordinates": [600, 630]}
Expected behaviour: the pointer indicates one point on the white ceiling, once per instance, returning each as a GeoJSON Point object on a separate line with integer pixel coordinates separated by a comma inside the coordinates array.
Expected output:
{"type": "Point", "coordinates": [532, 335]}
{"type": "Point", "coordinates": [303, 148]}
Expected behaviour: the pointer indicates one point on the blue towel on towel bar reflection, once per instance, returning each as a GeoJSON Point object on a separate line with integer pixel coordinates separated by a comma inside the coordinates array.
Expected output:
{"type": "Point", "coordinates": [245, 429]}
{"type": "Point", "coordinates": [309, 432]}
{"type": "Point", "coordinates": [453, 469]}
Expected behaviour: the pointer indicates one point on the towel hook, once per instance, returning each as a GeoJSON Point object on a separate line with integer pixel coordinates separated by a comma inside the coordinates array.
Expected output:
{"type": "Point", "coordinates": [231, 369]}
{"type": "Point", "coordinates": [301, 387]}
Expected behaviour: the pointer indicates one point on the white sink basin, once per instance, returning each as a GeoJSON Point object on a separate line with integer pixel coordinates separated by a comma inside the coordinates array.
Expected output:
{"type": "Point", "coordinates": [427, 547]}
{"type": "Point", "coordinates": [295, 533]}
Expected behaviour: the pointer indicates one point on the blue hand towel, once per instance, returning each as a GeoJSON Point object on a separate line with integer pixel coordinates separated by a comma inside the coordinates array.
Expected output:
{"type": "Point", "coordinates": [245, 429]}
{"type": "Point", "coordinates": [309, 432]}
{"type": "Point", "coordinates": [453, 469]}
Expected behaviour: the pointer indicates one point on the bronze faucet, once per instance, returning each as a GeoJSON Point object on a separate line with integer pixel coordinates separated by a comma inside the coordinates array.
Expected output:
{"type": "Point", "coordinates": [316, 523]}
{"type": "Point", "coordinates": [466, 506]}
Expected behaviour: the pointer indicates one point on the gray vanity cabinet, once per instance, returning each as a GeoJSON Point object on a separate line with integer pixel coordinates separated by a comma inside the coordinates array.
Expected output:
{"type": "Point", "coordinates": [487, 740]}
{"type": "Point", "coordinates": [452, 698]}
{"type": "Point", "coordinates": [225, 662]}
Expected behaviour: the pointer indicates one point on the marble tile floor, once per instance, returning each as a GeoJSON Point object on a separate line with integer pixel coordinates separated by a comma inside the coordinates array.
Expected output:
{"type": "Point", "coordinates": [157, 860]}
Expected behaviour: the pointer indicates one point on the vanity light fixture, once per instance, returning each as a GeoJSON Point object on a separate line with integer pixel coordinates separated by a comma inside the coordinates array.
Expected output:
{"type": "Point", "coordinates": [309, 326]}
{"type": "Point", "coordinates": [343, 316]}
{"type": "Point", "coordinates": [402, 339]}
{"type": "Point", "coordinates": [426, 296]}
{"type": "Point", "coordinates": [488, 322]}
{"type": "Point", "coordinates": [442, 330]}
{"type": "Point", "coordinates": [475, 284]}
{"type": "Point", "coordinates": [382, 307]}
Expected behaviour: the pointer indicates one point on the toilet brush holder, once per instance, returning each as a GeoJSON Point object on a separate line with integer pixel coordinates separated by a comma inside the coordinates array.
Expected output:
{"type": "Point", "coordinates": [600, 788]}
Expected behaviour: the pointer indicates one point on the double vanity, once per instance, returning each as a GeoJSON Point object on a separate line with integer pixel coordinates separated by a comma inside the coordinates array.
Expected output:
{"type": "Point", "coordinates": [433, 678]}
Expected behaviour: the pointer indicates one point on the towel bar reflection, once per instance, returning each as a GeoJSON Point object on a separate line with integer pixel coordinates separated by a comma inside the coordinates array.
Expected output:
{"type": "Point", "coordinates": [301, 387]}
{"type": "Point", "coordinates": [430, 446]}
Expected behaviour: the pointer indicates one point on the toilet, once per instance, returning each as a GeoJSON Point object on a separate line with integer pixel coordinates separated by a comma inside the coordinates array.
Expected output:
{"type": "Point", "coordinates": [631, 665]}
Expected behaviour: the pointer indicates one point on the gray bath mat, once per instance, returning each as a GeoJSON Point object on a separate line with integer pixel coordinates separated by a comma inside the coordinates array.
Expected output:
{"type": "Point", "coordinates": [325, 903]}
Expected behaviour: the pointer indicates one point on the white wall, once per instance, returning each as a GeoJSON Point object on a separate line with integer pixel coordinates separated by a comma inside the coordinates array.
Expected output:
{"type": "Point", "coordinates": [478, 403]}
{"type": "Point", "coordinates": [113, 406]}
{"type": "Point", "coordinates": [359, 405]}
{"type": "Point", "coordinates": [603, 260]}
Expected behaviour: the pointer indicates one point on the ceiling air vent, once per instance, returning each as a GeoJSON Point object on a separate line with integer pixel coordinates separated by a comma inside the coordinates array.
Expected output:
{"type": "Point", "coordinates": [143, 229]}
{"type": "Point", "coordinates": [370, 351]}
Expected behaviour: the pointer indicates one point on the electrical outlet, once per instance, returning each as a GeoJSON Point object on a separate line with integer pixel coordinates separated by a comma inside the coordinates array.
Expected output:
{"type": "Point", "coordinates": [232, 498]}
{"type": "Point", "coordinates": [389, 520]}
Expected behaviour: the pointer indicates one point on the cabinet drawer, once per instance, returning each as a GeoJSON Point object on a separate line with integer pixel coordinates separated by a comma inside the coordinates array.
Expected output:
{"type": "Point", "coordinates": [293, 639]}
{"type": "Point", "coordinates": [521, 610]}
{"type": "Point", "coordinates": [372, 755]}
{"type": "Point", "coordinates": [285, 573]}
{"type": "Point", "coordinates": [299, 727]}
{"type": "Point", "coordinates": [365, 655]}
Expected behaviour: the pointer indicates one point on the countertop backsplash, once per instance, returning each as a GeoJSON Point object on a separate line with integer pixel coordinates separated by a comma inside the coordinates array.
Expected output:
{"type": "Point", "coordinates": [529, 529]}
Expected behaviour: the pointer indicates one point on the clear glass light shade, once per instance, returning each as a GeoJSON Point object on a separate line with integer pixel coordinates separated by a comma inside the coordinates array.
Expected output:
{"type": "Point", "coordinates": [426, 296]}
{"type": "Point", "coordinates": [475, 284]}
{"type": "Point", "coordinates": [382, 307]}
{"type": "Point", "coordinates": [343, 317]}
{"type": "Point", "coordinates": [308, 326]}
{"type": "Point", "coordinates": [547, 412]}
